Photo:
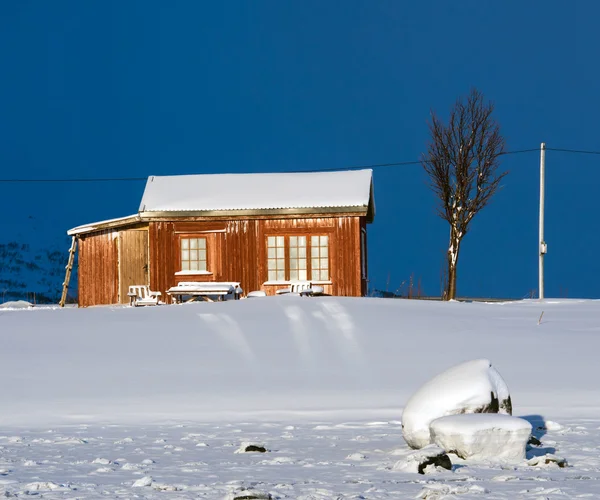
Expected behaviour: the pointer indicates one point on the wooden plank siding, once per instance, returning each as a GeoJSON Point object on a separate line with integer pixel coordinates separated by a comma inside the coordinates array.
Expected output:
{"type": "Point", "coordinates": [98, 269]}
{"type": "Point", "coordinates": [112, 260]}
{"type": "Point", "coordinates": [237, 251]}
{"type": "Point", "coordinates": [133, 261]}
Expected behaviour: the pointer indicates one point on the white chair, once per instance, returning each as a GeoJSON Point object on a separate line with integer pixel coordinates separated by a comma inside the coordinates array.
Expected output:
{"type": "Point", "coordinates": [301, 287]}
{"type": "Point", "coordinates": [141, 295]}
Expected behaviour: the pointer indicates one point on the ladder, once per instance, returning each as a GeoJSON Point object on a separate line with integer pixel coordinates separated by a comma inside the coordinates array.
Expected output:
{"type": "Point", "coordinates": [69, 268]}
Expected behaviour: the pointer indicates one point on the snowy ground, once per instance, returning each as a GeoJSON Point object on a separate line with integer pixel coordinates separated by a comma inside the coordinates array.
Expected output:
{"type": "Point", "coordinates": [93, 401]}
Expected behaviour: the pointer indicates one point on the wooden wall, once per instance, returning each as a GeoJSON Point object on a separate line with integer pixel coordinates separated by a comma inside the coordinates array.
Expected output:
{"type": "Point", "coordinates": [111, 260]}
{"type": "Point", "coordinates": [238, 251]}
{"type": "Point", "coordinates": [98, 269]}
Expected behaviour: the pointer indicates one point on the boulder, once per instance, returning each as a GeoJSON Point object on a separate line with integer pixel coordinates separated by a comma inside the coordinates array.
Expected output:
{"type": "Point", "coordinates": [471, 387]}
{"type": "Point", "coordinates": [479, 437]}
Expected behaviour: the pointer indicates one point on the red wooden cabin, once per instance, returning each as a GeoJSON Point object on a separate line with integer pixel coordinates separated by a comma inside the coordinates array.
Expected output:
{"type": "Point", "coordinates": [262, 230]}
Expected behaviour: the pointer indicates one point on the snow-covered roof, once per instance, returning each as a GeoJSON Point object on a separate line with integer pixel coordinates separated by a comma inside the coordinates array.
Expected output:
{"type": "Point", "coordinates": [247, 194]}
{"type": "Point", "coordinates": [228, 192]}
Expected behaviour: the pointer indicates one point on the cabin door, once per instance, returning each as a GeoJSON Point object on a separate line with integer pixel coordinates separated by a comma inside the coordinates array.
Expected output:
{"type": "Point", "coordinates": [133, 261]}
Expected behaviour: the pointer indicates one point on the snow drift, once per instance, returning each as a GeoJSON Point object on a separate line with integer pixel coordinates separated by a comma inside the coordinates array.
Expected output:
{"type": "Point", "coordinates": [286, 356]}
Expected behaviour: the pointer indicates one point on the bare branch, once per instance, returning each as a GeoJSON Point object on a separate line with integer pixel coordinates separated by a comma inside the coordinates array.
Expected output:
{"type": "Point", "coordinates": [462, 163]}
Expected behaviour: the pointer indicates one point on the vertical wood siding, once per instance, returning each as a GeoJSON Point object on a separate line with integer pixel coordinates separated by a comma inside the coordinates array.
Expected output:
{"type": "Point", "coordinates": [133, 261]}
{"type": "Point", "coordinates": [236, 252]}
{"type": "Point", "coordinates": [98, 269]}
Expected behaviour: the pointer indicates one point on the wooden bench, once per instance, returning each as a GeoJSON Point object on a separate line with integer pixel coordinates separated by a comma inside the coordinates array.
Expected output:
{"type": "Point", "coordinates": [205, 290]}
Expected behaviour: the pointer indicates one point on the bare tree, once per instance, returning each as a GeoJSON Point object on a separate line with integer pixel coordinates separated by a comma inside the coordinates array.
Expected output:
{"type": "Point", "coordinates": [462, 164]}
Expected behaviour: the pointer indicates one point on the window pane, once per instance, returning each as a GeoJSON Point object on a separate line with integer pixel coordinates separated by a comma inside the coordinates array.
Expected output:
{"type": "Point", "coordinates": [271, 253]}
{"type": "Point", "coordinates": [324, 264]}
{"type": "Point", "coordinates": [293, 252]}
{"type": "Point", "coordinates": [280, 275]}
{"type": "Point", "coordinates": [280, 241]}
{"type": "Point", "coordinates": [324, 275]}
{"type": "Point", "coordinates": [314, 275]}
{"type": "Point", "coordinates": [193, 265]}
{"type": "Point", "coordinates": [185, 265]}
{"type": "Point", "coordinates": [324, 241]}
{"type": "Point", "coordinates": [271, 241]}
{"type": "Point", "coordinates": [185, 243]}
{"type": "Point", "coordinates": [202, 265]}
{"type": "Point", "coordinates": [324, 251]}
{"type": "Point", "coordinates": [293, 264]}
{"type": "Point", "coordinates": [202, 255]}
{"type": "Point", "coordinates": [314, 263]}
{"type": "Point", "coordinates": [302, 241]}
{"type": "Point", "coordinates": [193, 254]}
{"type": "Point", "coordinates": [294, 275]}
{"type": "Point", "coordinates": [202, 243]}
{"type": "Point", "coordinates": [302, 274]}
{"type": "Point", "coordinates": [314, 241]}
{"type": "Point", "coordinates": [293, 241]}
{"type": "Point", "coordinates": [272, 275]}
{"type": "Point", "coordinates": [302, 252]}
{"type": "Point", "coordinates": [280, 253]}
{"type": "Point", "coordinates": [185, 255]}
{"type": "Point", "coordinates": [194, 243]}
{"type": "Point", "coordinates": [272, 264]}
{"type": "Point", "coordinates": [302, 263]}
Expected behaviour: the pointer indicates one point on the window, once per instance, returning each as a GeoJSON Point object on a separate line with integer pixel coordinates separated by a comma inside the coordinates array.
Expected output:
{"type": "Point", "coordinates": [319, 258]}
{"type": "Point", "coordinates": [276, 258]}
{"type": "Point", "coordinates": [193, 254]}
{"type": "Point", "coordinates": [298, 257]}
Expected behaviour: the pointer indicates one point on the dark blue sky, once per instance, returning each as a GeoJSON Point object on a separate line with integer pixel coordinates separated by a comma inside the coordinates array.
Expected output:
{"type": "Point", "coordinates": [134, 88]}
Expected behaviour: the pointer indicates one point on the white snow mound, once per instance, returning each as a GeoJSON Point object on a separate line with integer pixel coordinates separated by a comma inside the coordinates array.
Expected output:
{"type": "Point", "coordinates": [471, 387]}
{"type": "Point", "coordinates": [480, 437]}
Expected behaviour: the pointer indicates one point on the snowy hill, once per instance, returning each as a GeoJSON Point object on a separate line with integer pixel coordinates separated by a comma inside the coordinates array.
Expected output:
{"type": "Point", "coordinates": [287, 354]}
{"type": "Point", "coordinates": [118, 402]}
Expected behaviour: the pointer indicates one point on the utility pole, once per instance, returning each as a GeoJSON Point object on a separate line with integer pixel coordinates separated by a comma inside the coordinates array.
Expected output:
{"type": "Point", "coordinates": [543, 247]}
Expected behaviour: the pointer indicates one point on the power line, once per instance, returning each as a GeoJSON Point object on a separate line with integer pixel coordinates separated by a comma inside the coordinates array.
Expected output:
{"type": "Point", "coordinates": [579, 151]}
{"type": "Point", "coordinates": [355, 167]}
{"type": "Point", "coordinates": [98, 179]}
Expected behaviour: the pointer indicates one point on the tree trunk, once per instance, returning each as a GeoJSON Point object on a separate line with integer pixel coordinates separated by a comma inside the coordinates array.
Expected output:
{"type": "Point", "coordinates": [453, 249]}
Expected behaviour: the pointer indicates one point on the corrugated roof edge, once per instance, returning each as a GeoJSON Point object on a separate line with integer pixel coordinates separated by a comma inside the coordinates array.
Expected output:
{"type": "Point", "coordinates": [104, 224]}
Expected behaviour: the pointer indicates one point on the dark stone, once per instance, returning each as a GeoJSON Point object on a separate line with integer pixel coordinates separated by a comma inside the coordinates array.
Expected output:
{"type": "Point", "coordinates": [533, 441]}
{"type": "Point", "coordinates": [440, 460]}
{"type": "Point", "coordinates": [259, 449]}
{"type": "Point", "coordinates": [252, 495]}
{"type": "Point", "coordinates": [506, 405]}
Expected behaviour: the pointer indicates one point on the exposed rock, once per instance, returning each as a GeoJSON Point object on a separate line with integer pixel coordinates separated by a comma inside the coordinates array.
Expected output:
{"type": "Point", "coordinates": [420, 460]}
{"type": "Point", "coordinates": [251, 448]}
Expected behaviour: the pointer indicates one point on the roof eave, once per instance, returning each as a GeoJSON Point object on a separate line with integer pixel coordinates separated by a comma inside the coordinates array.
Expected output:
{"type": "Point", "coordinates": [103, 225]}
{"type": "Point", "coordinates": [166, 214]}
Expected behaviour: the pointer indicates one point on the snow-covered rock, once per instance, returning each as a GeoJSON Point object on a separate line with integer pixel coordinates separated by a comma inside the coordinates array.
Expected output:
{"type": "Point", "coordinates": [471, 387]}
{"type": "Point", "coordinates": [479, 437]}
{"type": "Point", "coordinates": [143, 482]}
{"type": "Point", "coordinates": [546, 460]}
{"type": "Point", "coordinates": [424, 460]}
